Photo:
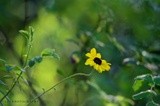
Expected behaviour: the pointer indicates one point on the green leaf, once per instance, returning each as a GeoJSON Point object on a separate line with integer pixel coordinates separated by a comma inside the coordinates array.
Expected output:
{"type": "Point", "coordinates": [31, 31]}
{"type": "Point", "coordinates": [137, 84]}
{"type": "Point", "coordinates": [6, 77]}
{"type": "Point", "coordinates": [156, 80]}
{"type": "Point", "coordinates": [25, 34]}
{"type": "Point", "coordinates": [9, 67]}
{"type": "Point", "coordinates": [31, 63]}
{"type": "Point", "coordinates": [146, 77]}
{"type": "Point", "coordinates": [144, 94]}
{"type": "Point", "coordinates": [38, 59]}
{"type": "Point", "coordinates": [152, 103]}
{"type": "Point", "coordinates": [50, 52]}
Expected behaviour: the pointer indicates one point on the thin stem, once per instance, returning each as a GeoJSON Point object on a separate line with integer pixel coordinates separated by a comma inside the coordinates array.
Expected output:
{"type": "Point", "coordinates": [71, 76]}
{"type": "Point", "coordinates": [24, 68]}
{"type": "Point", "coordinates": [28, 51]}
{"type": "Point", "coordinates": [25, 63]}
{"type": "Point", "coordinates": [11, 87]}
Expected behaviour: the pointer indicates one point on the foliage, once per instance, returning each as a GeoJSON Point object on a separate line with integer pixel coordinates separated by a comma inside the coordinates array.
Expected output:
{"type": "Point", "coordinates": [125, 32]}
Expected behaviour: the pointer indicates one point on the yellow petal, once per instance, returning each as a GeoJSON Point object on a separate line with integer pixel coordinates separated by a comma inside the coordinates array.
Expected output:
{"type": "Point", "coordinates": [100, 69]}
{"type": "Point", "coordinates": [93, 51]}
{"type": "Point", "coordinates": [108, 68]}
{"type": "Point", "coordinates": [89, 62]}
{"type": "Point", "coordinates": [106, 65]}
{"type": "Point", "coordinates": [109, 63]}
{"type": "Point", "coordinates": [88, 54]}
{"type": "Point", "coordinates": [92, 63]}
{"type": "Point", "coordinates": [95, 67]}
{"type": "Point", "coordinates": [104, 62]}
{"type": "Point", "coordinates": [98, 55]}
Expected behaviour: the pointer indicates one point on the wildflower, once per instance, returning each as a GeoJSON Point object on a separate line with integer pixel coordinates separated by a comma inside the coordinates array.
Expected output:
{"type": "Point", "coordinates": [96, 62]}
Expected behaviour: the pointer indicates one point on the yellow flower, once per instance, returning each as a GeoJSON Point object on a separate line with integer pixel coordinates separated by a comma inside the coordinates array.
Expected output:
{"type": "Point", "coordinates": [94, 60]}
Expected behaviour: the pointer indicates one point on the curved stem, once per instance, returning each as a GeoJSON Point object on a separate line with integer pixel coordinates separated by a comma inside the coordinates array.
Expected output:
{"type": "Point", "coordinates": [71, 76]}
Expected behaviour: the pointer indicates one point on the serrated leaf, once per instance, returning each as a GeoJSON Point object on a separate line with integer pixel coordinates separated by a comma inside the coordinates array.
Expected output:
{"type": "Point", "coordinates": [152, 103]}
{"type": "Point", "coordinates": [156, 80]}
{"type": "Point", "coordinates": [144, 94]}
{"type": "Point", "coordinates": [137, 85]}
{"type": "Point", "coordinates": [50, 52]}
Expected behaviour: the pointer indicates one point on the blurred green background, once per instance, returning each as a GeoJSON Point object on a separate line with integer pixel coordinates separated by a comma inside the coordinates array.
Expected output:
{"type": "Point", "coordinates": [125, 32]}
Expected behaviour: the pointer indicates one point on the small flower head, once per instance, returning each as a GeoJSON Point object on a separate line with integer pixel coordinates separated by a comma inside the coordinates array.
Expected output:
{"type": "Point", "coordinates": [94, 60]}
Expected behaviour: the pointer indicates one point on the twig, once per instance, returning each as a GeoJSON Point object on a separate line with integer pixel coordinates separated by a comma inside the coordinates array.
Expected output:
{"type": "Point", "coordinates": [11, 87]}
{"type": "Point", "coordinates": [71, 76]}
{"type": "Point", "coordinates": [24, 68]}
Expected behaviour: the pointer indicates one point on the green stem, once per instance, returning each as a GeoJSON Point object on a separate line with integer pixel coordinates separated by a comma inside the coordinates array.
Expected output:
{"type": "Point", "coordinates": [20, 74]}
{"type": "Point", "coordinates": [71, 76]}
{"type": "Point", "coordinates": [11, 87]}
{"type": "Point", "coordinates": [28, 51]}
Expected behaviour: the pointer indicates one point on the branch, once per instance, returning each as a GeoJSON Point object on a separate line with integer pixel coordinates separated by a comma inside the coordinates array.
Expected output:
{"type": "Point", "coordinates": [69, 77]}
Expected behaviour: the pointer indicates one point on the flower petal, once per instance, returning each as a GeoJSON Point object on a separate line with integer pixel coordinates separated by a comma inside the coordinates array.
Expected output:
{"type": "Point", "coordinates": [88, 54]}
{"type": "Point", "coordinates": [95, 57]}
{"type": "Point", "coordinates": [106, 65]}
{"type": "Point", "coordinates": [98, 55]}
{"type": "Point", "coordinates": [100, 69]}
{"type": "Point", "coordinates": [109, 63]}
{"type": "Point", "coordinates": [93, 51]}
{"type": "Point", "coordinates": [95, 67]}
{"type": "Point", "coordinates": [89, 62]}
{"type": "Point", "coordinates": [107, 68]}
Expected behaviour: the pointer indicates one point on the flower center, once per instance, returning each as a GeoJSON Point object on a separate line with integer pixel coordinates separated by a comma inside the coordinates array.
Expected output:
{"type": "Point", "coordinates": [97, 61]}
